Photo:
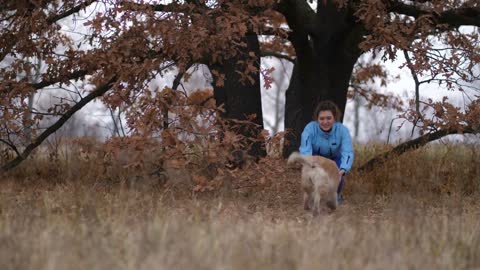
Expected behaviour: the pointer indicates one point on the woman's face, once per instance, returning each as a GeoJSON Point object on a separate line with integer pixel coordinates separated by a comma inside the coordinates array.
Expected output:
{"type": "Point", "coordinates": [326, 120]}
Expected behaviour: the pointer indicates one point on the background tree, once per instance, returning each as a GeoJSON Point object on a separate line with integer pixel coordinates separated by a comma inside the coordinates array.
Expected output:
{"type": "Point", "coordinates": [329, 42]}
{"type": "Point", "coordinates": [124, 45]}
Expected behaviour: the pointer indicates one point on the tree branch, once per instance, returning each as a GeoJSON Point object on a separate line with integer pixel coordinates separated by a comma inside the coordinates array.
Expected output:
{"type": "Point", "coordinates": [454, 17]}
{"type": "Point", "coordinates": [12, 39]}
{"type": "Point", "coordinates": [72, 76]}
{"type": "Point", "coordinates": [57, 17]}
{"type": "Point", "coordinates": [406, 146]}
{"type": "Point", "coordinates": [300, 17]}
{"type": "Point", "coordinates": [277, 55]}
{"type": "Point", "coordinates": [58, 124]}
{"type": "Point", "coordinates": [157, 7]}
{"type": "Point", "coordinates": [11, 145]}
{"type": "Point", "coordinates": [417, 88]}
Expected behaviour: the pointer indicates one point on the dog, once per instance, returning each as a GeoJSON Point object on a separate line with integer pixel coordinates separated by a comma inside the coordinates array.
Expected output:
{"type": "Point", "coordinates": [320, 180]}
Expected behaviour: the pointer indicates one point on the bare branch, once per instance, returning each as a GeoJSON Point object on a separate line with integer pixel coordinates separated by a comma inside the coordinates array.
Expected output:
{"type": "Point", "coordinates": [417, 89]}
{"type": "Point", "coordinates": [277, 55]}
{"type": "Point", "coordinates": [11, 145]}
{"type": "Point", "coordinates": [412, 144]}
{"type": "Point", "coordinates": [58, 124]}
{"type": "Point", "coordinates": [454, 17]}
{"type": "Point", "coordinates": [72, 76]}
{"type": "Point", "coordinates": [57, 17]}
{"type": "Point", "coordinates": [158, 7]}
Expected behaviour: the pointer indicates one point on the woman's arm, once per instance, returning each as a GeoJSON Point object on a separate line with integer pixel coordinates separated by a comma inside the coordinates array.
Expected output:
{"type": "Point", "coordinates": [346, 150]}
{"type": "Point", "coordinates": [306, 144]}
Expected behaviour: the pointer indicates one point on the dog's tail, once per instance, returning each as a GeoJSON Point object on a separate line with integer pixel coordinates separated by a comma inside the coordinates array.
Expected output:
{"type": "Point", "coordinates": [297, 157]}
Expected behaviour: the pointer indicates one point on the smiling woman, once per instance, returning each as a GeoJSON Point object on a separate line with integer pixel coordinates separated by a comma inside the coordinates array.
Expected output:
{"type": "Point", "coordinates": [327, 138]}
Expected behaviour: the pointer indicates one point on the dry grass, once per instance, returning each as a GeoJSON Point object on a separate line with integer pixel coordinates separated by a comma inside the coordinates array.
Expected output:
{"type": "Point", "coordinates": [420, 211]}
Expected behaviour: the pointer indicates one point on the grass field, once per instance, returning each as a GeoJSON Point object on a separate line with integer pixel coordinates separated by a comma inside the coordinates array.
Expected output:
{"type": "Point", "coordinates": [419, 211]}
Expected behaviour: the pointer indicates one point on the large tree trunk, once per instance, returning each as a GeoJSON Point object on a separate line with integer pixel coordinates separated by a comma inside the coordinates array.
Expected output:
{"type": "Point", "coordinates": [242, 100]}
{"type": "Point", "coordinates": [326, 46]}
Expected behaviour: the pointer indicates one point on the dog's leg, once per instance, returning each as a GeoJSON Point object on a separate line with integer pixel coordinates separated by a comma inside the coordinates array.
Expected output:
{"type": "Point", "coordinates": [308, 188]}
{"type": "Point", "coordinates": [310, 201]}
{"type": "Point", "coordinates": [332, 202]}
{"type": "Point", "coordinates": [316, 202]}
{"type": "Point", "coordinates": [307, 201]}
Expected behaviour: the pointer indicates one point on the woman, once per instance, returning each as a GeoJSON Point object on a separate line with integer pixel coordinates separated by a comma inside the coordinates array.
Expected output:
{"type": "Point", "coordinates": [327, 138]}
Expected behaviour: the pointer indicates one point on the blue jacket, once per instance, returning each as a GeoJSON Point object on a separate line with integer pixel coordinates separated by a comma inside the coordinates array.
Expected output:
{"type": "Point", "coordinates": [335, 145]}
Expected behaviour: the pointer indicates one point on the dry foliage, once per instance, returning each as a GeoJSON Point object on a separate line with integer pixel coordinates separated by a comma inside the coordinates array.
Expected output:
{"type": "Point", "coordinates": [127, 44]}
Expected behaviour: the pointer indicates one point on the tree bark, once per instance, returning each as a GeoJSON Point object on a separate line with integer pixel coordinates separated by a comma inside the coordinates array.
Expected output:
{"type": "Point", "coordinates": [327, 51]}
{"type": "Point", "coordinates": [242, 100]}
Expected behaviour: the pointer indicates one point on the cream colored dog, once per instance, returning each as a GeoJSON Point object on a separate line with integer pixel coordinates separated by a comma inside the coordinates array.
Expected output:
{"type": "Point", "coordinates": [320, 180]}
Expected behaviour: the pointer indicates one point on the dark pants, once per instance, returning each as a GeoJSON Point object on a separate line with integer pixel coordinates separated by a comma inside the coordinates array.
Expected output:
{"type": "Point", "coordinates": [340, 186]}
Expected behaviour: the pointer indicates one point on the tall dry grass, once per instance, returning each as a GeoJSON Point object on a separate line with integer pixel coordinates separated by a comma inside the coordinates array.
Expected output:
{"type": "Point", "coordinates": [419, 211]}
{"type": "Point", "coordinates": [437, 169]}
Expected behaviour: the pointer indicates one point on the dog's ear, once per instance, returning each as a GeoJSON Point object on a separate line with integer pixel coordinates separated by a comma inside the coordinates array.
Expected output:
{"type": "Point", "coordinates": [294, 157]}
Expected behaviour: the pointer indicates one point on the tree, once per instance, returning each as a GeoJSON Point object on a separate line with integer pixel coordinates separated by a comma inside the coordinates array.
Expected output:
{"type": "Point", "coordinates": [121, 48]}
{"type": "Point", "coordinates": [329, 42]}
{"type": "Point", "coordinates": [123, 45]}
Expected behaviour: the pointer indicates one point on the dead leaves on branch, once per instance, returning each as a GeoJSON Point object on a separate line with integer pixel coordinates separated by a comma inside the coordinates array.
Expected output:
{"type": "Point", "coordinates": [442, 115]}
{"type": "Point", "coordinates": [135, 44]}
{"type": "Point", "coordinates": [442, 52]}
{"type": "Point", "coordinates": [449, 59]}
{"type": "Point", "coordinates": [365, 75]}
{"type": "Point", "coordinates": [188, 165]}
{"type": "Point", "coordinates": [207, 152]}
{"type": "Point", "coordinates": [472, 116]}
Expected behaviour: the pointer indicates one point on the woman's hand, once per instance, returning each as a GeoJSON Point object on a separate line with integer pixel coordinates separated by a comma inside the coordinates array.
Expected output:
{"type": "Point", "coordinates": [341, 172]}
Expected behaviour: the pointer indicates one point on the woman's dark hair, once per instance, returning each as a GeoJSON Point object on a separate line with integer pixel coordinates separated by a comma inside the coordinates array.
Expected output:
{"type": "Point", "coordinates": [327, 105]}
